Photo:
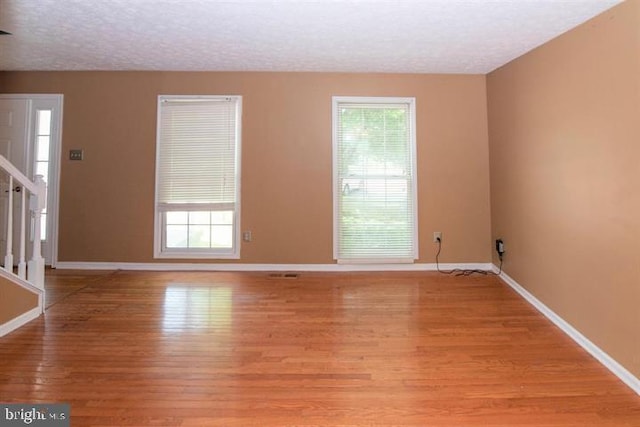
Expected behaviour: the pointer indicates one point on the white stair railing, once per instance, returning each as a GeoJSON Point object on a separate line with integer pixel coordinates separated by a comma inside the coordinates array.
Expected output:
{"type": "Point", "coordinates": [17, 188]}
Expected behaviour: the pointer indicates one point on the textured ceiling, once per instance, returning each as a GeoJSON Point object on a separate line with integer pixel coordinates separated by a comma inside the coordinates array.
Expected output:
{"type": "Point", "coordinates": [404, 36]}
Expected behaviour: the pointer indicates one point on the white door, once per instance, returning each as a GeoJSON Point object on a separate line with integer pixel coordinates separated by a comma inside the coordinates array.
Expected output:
{"type": "Point", "coordinates": [35, 150]}
{"type": "Point", "coordinates": [14, 120]}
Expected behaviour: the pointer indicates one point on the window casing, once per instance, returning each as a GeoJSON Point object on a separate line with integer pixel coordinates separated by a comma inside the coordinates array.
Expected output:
{"type": "Point", "coordinates": [197, 207]}
{"type": "Point", "coordinates": [374, 180]}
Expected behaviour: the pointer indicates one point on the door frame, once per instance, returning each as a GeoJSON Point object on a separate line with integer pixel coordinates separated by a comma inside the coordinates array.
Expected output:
{"type": "Point", "coordinates": [55, 103]}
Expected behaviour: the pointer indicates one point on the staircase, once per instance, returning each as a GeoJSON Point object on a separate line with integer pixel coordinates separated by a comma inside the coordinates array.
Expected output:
{"type": "Point", "coordinates": [22, 274]}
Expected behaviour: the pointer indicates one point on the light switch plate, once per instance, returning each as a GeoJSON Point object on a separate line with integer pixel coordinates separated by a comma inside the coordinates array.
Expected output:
{"type": "Point", "coordinates": [75, 154]}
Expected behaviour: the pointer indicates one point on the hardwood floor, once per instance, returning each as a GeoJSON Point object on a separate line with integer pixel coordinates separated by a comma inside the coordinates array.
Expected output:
{"type": "Point", "coordinates": [62, 283]}
{"type": "Point", "coordinates": [246, 349]}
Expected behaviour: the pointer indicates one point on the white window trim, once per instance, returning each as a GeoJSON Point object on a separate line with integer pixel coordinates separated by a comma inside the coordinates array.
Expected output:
{"type": "Point", "coordinates": [336, 188]}
{"type": "Point", "coordinates": [159, 251]}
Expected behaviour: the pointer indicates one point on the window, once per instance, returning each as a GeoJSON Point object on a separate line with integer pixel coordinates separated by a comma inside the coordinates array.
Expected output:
{"type": "Point", "coordinates": [198, 177]}
{"type": "Point", "coordinates": [375, 210]}
{"type": "Point", "coordinates": [43, 139]}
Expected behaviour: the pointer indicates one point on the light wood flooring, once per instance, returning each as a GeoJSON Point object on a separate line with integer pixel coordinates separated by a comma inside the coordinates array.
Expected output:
{"type": "Point", "coordinates": [360, 349]}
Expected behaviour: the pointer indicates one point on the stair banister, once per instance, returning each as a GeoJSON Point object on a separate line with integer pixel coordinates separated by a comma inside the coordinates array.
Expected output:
{"type": "Point", "coordinates": [37, 204]}
{"type": "Point", "coordinates": [33, 269]}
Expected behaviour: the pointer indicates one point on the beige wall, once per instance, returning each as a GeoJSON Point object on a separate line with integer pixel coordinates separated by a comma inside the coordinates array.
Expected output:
{"type": "Point", "coordinates": [14, 300]}
{"type": "Point", "coordinates": [106, 201]}
{"type": "Point", "coordinates": [564, 127]}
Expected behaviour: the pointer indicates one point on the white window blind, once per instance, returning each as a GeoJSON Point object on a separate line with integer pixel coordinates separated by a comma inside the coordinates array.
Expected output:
{"type": "Point", "coordinates": [197, 175]}
{"type": "Point", "coordinates": [197, 150]}
{"type": "Point", "coordinates": [375, 211]}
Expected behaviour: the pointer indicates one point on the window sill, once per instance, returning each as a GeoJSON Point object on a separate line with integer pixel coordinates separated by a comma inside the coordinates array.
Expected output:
{"type": "Point", "coordinates": [376, 261]}
{"type": "Point", "coordinates": [195, 255]}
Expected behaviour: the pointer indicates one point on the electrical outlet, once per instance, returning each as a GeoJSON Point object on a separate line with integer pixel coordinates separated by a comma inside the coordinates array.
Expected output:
{"type": "Point", "coordinates": [499, 246]}
{"type": "Point", "coordinates": [437, 235]}
{"type": "Point", "coordinates": [246, 236]}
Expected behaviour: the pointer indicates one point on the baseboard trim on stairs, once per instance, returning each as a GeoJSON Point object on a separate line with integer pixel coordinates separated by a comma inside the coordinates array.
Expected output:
{"type": "Point", "coordinates": [17, 280]}
{"type": "Point", "coordinates": [600, 355]}
{"type": "Point", "coordinates": [264, 267]}
{"type": "Point", "coordinates": [19, 321]}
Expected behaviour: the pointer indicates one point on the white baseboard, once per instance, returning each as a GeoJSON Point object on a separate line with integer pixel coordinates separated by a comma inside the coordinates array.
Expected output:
{"type": "Point", "coordinates": [264, 267]}
{"type": "Point", "coordinates": [617, 369]}
{"type": "Point", "coordinates": [23, 319]}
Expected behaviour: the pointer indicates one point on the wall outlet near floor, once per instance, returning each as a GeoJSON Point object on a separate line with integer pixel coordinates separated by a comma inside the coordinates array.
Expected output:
{"type": "Point", "coordinates": [437, 235]}
{"type": "Point", "coordinates": [246, 236]}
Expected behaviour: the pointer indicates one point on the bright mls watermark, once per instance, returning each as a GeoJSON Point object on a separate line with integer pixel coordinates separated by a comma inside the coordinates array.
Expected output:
{"type": "Point", "coordinates": [38, 415]}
